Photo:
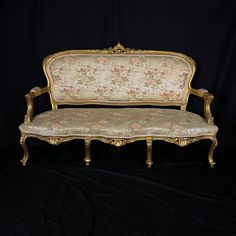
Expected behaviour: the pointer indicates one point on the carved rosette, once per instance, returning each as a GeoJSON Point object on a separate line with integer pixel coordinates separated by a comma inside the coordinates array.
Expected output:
{"type": "Point", "coordinates": [116, 142]}
{"type": "Point", "coordinates": [118, 49]}
{"type": "Point", "coordinates": [57, 140]}
{"type": "Point", "coordinates": [52, 140]}
{"type": "Point", "coordinates": [181, 141]}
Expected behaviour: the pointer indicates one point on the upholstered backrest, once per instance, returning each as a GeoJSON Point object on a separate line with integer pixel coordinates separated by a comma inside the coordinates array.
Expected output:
{"type": "Point", "coordinates": [119, 76]}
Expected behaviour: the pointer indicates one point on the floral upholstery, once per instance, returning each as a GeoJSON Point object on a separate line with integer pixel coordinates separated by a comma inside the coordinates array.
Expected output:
{"type": "Point", "coordinates": [119, 78]}
{"type": "Point", "coordinates": [118, 122]}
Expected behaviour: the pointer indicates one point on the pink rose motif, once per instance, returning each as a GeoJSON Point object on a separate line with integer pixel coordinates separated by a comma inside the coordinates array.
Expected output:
{"type": "Point", "coordinates": [116, 69]}
{"type": "Point", "coordinates": [65, 90]}
{"type": "Point", "coordinates": [131, 91]}
{"type": "Point", "coordinates": [137, 126]}
{"type": "Point", "coordinates": [135, 60]}
{"type": "Point", "coordinates": [179, 129]}
{"type": "Point", "coordinates": [102, 59]}
{"type": "Point", "coordinates": [69, 60]}
{"type": "Point", "coordinates": [152, 82]}
{"type": "Point", "coordinates": [165, 64]}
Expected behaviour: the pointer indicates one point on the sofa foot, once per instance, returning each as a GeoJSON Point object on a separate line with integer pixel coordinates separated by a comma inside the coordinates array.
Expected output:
{"type": "Point", "coordinates": [212, 165]}
{"type": "Point", "coordinates": [25, 149]}
{"type": "Point", "coordinates": [149, 161]}
{"type": "Point", "coordinates": [149, 164]}
{"type": "Point", "coordinates": [87, 158]}
{"type": "Point", "coordinates": [210, 155]}
{"type": "Point", "coordinates": [23, 161]}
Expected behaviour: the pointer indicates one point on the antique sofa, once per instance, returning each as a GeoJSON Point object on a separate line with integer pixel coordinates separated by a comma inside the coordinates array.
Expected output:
{"type": "Point", "coordinates": [124, 79]}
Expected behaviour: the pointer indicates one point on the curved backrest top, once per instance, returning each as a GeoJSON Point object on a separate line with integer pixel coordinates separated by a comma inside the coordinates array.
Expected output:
{"type": "Point", "coordinates": [119, 76]}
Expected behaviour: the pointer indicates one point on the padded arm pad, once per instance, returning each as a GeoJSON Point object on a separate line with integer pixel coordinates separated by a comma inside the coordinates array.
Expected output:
{"type": "Point", "coordinates": [34, 92]}
{"type": "Point", "coordinates": [203, 93]}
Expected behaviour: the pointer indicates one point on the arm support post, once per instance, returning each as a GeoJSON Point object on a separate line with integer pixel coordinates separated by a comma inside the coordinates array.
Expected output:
{"type": "Point", "coordinates": [35, 92]}
{"type": "Point", "coordinates": [207, 97]}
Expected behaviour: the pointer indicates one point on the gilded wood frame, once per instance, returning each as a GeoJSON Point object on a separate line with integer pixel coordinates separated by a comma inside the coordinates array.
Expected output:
{"type": "Point", "coordinates": [119, 49]}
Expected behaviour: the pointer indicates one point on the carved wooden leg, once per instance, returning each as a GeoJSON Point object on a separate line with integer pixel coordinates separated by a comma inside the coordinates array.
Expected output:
{"type": "Point", "coordinates": [87, 158]}
{"type": "Point", "coordinates": [25, 149]}
{"type": "Point", "coordinates": [210, 155]}
{"type": "Point", "coordinates": [149, 161]}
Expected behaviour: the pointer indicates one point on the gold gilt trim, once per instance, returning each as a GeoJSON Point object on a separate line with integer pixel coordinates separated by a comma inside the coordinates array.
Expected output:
{"type": "Point", "coordinates": [183, 108]}
{"type": "Point", "coordinates": [210, 155]}
{"type": "Point", "coordinates": [208, 98]}
{"type": "Point", "coordinates": [52, 140]}
{"type": "Point", "coordinates": [184, 141]}
{"type": "Point", "coordinates": [87, 158]}
{"type": "Point", "coordinates": [118, 142]}
{"type": "Point", "coordinates": [180, 141]}
{"type": "Point", "coordinates": [25, 149]}
{"type": "Point", "coordinates": [117, 49]}
{"type": "Point", "coordinates": [57, 140]}
{"type": "Point", "coordinates": [149, 161]}
{"type": "Point", "coordinates": [34, 92]}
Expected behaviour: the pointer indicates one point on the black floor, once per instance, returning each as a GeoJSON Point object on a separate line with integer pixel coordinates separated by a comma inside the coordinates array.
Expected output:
{"type": "Point", "coordinates": [55, 194]}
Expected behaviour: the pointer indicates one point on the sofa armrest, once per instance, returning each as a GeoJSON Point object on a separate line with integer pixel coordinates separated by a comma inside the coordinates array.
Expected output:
{"type": "Point", "coordinates": [203, 93]}
{"type": "Point", "coordinates": [34, 92]}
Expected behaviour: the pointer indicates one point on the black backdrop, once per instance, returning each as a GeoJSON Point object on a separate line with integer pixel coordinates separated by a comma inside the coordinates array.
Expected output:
{"type": "Point", "coordinates": [55, 194]}
{"type": "Point", "coordinates": [203, 29]}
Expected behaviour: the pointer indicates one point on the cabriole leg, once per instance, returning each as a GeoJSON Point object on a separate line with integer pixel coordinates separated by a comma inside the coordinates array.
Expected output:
{"type": "Point", "coordinates": [87, 158]}
{"type": "Point", "coordinates": [210, 155]}
{"type": "Point", "coordinates": [149, 161]}
{"type": "Point", "coordinates": [25, 149]}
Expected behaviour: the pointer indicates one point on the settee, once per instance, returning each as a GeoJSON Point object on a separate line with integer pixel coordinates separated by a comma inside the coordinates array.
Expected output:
{"type": "Point", "coordinates": [138, 95]}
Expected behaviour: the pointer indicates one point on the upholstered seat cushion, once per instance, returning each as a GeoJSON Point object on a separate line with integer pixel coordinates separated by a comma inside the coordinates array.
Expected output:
{"type": "Point", "coordinates": [118, 123]}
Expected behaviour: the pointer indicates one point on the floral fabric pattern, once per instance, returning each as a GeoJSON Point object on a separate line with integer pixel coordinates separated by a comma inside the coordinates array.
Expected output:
{"type": "Point", "coordinates": [119, 123]}
{"type": "Point", "coordinates": [122, 78]}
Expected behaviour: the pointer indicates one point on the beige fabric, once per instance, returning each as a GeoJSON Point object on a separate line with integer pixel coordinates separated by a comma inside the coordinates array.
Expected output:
{"type": "Point", "coordinates": [112, 78]}
{"type": "Point", "coordinates": [119, 123]}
